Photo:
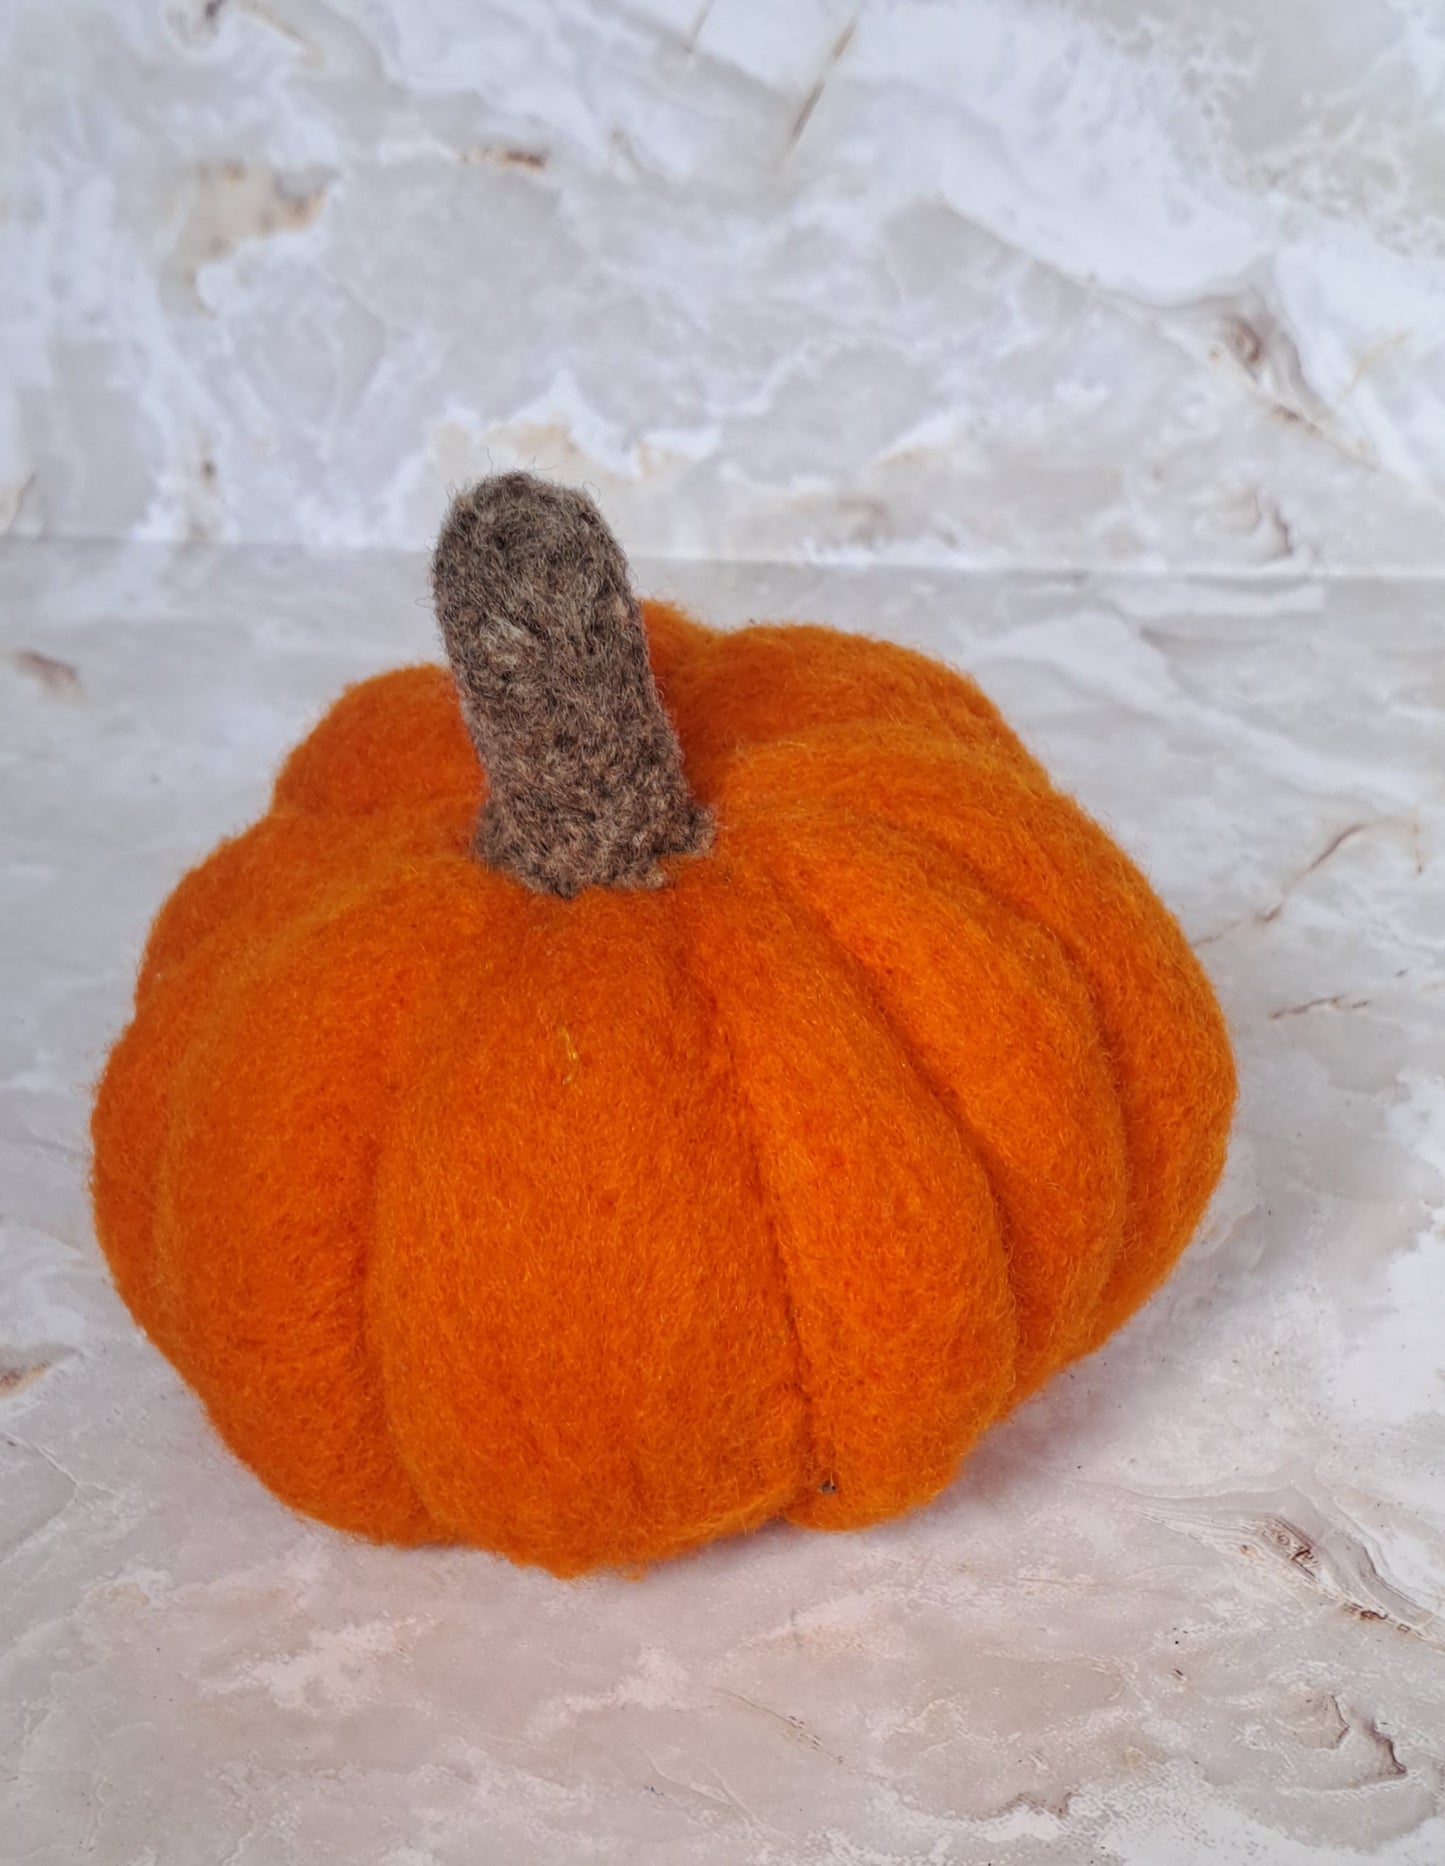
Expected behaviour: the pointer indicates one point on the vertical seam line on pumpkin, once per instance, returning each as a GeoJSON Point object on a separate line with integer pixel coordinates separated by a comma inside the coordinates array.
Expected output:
{"type": "Point", "coordinates": [1048, 792]}
{"type": "Point", "coordinates": [1130, 1229]}
{"type": "Point", "coordinates": [862, 981]}
{"type": "Point", "coordinates": [718, 1022]}
{"type": "Point", "coordinates": [444, 1004]}
{"type": "Point", "coordinates": [373, 1360]}
{"type": "Point", "coordinates": [219, 1002]}
{"type": "Point", "coordinates": [1103, 1047]}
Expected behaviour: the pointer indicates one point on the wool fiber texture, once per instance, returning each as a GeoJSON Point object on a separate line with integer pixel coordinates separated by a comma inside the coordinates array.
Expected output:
{"type": "Point", "coordinates": [590, 1229]}
{"type": "Point", "coordinates": [548, 648]}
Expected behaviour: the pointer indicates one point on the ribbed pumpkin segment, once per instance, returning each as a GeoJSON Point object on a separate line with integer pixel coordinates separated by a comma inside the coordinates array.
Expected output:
{"type": "Point", "coordinates": [279, 871]}
{"type": "Point", "coordinates": [130, 1126]}
{"type": "Point", "coordinates": [581, 1316]}
{"type": "Point", "coordinates": [218, 924]}
{"type": "Point", "coordinates": [1001, 1029]}
{"type": "Point", "coordinates": [1038, 854]}
{"type": "Point", "coordinates": [265, 1214]}
{"type": "Point", "coordinates": [880, 1212]}
{"type": "Point", "coordinates": [397, 738]}
{"type": "Point", "coordinates": [769, 684]}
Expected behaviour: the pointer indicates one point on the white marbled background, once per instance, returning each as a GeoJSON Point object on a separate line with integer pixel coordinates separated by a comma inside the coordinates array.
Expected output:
{"type": "Point", "coordinates": [989, 282]}
{"type": "Point", "coordinates": [1187, 1607]}
{"type": "Point", "coordinates": [1096, 346]}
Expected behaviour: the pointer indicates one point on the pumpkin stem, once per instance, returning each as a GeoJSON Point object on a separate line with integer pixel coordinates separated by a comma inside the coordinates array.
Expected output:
{"type": "Point", "coordinates": [584, 772]}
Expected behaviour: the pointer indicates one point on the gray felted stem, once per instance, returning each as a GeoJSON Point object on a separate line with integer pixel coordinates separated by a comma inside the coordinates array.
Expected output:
{"type": "Point", "coordinates": [545, 637]}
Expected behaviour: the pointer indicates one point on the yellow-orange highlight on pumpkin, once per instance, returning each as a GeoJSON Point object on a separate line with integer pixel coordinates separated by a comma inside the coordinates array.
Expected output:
{"type": "Point", "coordinates": [727, 1113]}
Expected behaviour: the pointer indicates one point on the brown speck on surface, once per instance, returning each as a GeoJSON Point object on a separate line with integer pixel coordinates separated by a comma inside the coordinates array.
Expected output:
{"type": "Point", "coordinates": [1336, 842]}
{"type": "Point", "coordinates": [1371, 358]}
{"type": "Point", "coordinates": [504, 157]}
{"type": "Point", "coordinates": [15, 1379]}
{"type": "Point", "coordinates": [1245, 341]}
{"type": "Point", "coordinates": [1248, 334]}
{"type": "Point", "coordinates": [1266, 916]}
{"type": "Point", "coordinates": [56, 676]}
{"type": "Point", "coordinates": [689, 44]}
{"type": "Point", "coordinates": [235, 201]}
{"type": "Point", "coordinates": [1391, 1769]}
{"type": "Point", "coordinates": [1283, 529]}
{"type": "Point", "coordinates": [789, 1725]}
{"type": "Point", "coordinates": [1292, 1543]}
{"type": "Point", "coordinates": [1338, 1002]}
{"type": "Point", "coordinates": [815, 96]}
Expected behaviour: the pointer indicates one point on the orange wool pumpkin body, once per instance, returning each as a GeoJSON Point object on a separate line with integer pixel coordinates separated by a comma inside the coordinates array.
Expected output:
{"type": "Point", "coordinates": [589, 1230]}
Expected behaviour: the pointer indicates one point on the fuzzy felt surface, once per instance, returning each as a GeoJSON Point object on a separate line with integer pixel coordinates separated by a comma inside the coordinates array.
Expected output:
{"type": "Point", "coordinates": [589, 1230]}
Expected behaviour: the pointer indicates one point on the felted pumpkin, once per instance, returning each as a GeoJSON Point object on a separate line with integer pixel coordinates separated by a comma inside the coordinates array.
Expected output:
{"type": "Point", "coordinates": [647, 1080]}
